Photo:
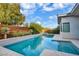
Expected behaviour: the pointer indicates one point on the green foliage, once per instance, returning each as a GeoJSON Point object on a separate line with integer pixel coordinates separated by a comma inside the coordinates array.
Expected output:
{"type": "Point", "coordinates": [54, 31]}
{"type": "Point", "coordinates": [10, 13]}
{"type": "Point", "coordinates": [36, 28]}
{"type": "Point", "coordinates": [16, 34]}
{"type": "Point", "coordinates": [4, 30]}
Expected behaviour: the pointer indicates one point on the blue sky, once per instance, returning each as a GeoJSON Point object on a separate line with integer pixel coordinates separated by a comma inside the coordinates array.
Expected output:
{"type": "Point", "coordinates": [44, 13]}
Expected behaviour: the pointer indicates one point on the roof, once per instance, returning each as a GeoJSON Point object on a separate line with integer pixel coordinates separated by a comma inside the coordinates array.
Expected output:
{"type": "Point", "coordinates": [75, 10]}
{"type": "Point", "coordinates": [74, 13]}
{"type": "Point", "coordinates": [68, 15]}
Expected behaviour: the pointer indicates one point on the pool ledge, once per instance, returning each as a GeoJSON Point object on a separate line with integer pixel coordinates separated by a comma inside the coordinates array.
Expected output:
{"type": "Point", "coordinates": [8, 41]}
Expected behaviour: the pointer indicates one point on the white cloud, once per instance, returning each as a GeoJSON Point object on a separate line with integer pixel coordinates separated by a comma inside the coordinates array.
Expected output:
{"type": "Point", "coordinates": [28, 12]}
{"type": "Point", "coordinates": [47, 8]}
{"type": "Point", "coordinates": [38, 22]}
{"type": "Point", "coordinates": [28, 8]}
{"type": "Point", "coordinates": [41, 4]}
{"type": "Point", "coordinates": [28, 5]}
{"type": "Point", "coordinates": [54, 6]}
{"type": "Point", "coordinates": [44, 6]}
{"type": "Point", "coordinates": [50, 17]}
{"type": "Point", "coordinates": [37, 18]}
{"type": "Point", "coordinates": [52, 22]}
{"type": "Point", "coordinates": [58, 5]}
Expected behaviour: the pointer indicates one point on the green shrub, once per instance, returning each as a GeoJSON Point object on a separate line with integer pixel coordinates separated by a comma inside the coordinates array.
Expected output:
{"type": "Point", "coordinates": [16, 34]}
{"type": "Point", "coordinates": [4, 30]}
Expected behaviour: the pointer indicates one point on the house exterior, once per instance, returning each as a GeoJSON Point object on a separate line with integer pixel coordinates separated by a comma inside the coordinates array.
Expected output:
{"type": "Point", "coordinates": [69, 24]}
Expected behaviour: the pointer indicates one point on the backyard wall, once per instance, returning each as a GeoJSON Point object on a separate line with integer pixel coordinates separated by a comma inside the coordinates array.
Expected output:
{"type": "Point", "coordinates": [15, 28]}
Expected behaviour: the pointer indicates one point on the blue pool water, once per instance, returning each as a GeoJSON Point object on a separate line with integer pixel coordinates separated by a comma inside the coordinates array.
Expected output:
{"type": "Point", "coordinates": [35, 46]}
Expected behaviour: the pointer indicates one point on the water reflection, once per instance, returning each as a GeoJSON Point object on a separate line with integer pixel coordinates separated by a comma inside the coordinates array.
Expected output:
{"type": "Point", "coordinates": [34, 47]}
{"type": "Point", "coordinates": [49, 44]}
{"type": "Point", "coordinates": [38, 44]}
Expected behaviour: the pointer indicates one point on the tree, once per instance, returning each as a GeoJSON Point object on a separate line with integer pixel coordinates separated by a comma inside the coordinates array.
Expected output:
{"type": "Point", "coordinates": [54, 31]}
{"type": "Point", "coordinates": [36, 27]}
{"type": "Point", "coordinates": [10, 14]}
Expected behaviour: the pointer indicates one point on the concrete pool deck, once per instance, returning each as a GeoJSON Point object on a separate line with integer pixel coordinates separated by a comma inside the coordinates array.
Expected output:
{"type": "Point", "coordinates": [46, 52]}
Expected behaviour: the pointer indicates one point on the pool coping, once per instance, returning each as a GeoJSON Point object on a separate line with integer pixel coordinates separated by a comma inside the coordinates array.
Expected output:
{"type": "Point", "coordinates": [8, 41]}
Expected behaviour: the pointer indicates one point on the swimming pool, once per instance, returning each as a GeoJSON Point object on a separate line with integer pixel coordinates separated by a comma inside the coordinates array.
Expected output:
{"type": "Point", "coordinates": [35, 46]}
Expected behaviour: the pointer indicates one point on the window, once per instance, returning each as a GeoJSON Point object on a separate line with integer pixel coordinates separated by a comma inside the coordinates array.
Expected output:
{"type": "Point", "coordinates": [66, 27]}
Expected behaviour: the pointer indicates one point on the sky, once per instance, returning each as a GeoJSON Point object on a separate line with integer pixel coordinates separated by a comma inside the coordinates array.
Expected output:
{"type": "Point", "coordinates": [44, 13]}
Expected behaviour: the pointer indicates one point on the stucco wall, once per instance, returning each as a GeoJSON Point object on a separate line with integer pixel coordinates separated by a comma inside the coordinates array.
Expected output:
{"type": "Point", "coordinates": [74, 27]}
